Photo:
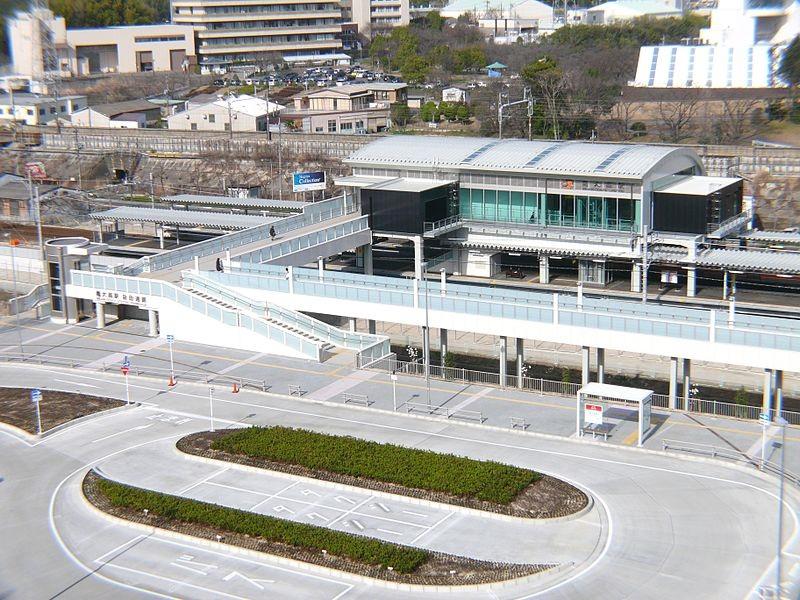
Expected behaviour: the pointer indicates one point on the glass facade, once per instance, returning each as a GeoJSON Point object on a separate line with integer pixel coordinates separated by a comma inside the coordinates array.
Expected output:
{"type": "Point", "coordinates": [555, 210]}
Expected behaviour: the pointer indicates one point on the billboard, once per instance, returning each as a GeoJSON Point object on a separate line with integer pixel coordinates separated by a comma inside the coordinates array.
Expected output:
{"type": "Point", "coordinates": [305, 182]}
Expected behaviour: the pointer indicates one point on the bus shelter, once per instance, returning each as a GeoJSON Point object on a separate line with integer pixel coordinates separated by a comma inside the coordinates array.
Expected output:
{"type": "Point", "coordinates": [594, 397]}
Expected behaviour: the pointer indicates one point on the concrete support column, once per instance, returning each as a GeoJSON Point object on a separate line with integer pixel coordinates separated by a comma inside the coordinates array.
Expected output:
{"type": "Point", "coordinates": [352, 325]}
{"type": "Point", "coordinates": [442, 344]}
{"type": "Point", "coordinates": [443, 281]}
{"type": "Point", "coordinates": [160, 236]}
{"type": "Point", "coordinates": [371, 327]}
{"type": "Point", "coordinates": [687, 382]}
{"type": "Point", "coordinates": [520, 360]}
{"type": "Point", "coordinates": [544, 268]}
{"type": "Point", "coordinates": [725, 285]}
{"type": "Point", "coordinates": [418, 254]}
{"type": "Point", "coordinates": [196, 264]}
{"type": "Point", "coordinates": [503, 360]}
{"type": "Point", "coordinates": [636, 277]}
{"type": "Point", "coordinates": [321, 267]}
{"type": "Point", "coordinates": [100, 310]}
{"type": "Point", "coordinates": [585, 365]}
{"type": "Point", "coordinates": [778, 393]}
{"type": "Point", "coordinates": [367, 259]}
{"type": "Point", "coordinates": [673, 383]}
{"type": "Point", "coordinates": [601, 364]}
{"type": "Point", "coordinates": [152, 317]}
{"type": "Point", "coordinates": [691, 282]}
{"type": "Point", "coordinates": [767, 403]}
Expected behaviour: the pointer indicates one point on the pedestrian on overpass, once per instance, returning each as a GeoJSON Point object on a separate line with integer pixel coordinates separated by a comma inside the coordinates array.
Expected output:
{"type": "Point", "coordinates": [272, 232]}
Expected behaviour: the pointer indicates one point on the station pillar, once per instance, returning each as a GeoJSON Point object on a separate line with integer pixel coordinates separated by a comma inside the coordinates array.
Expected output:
{"type": "Point", "coordinates": [352, 325]}
{"type": "Point", "coordinates": [367, 259]}
{"type": "Point", "coordinates": [636, 277]}
{"type": "Point", "coordinates": [687, 382]}
{"type": "Point", "coordinates": [544, 268]}
{"type": "Point", "coordinates": [601, 364]}
{"type": "Point", "coordinates": [426, 345]}
{"type": "Point", "coordinates": [778, 392]}
{"type": "Point", "coordinates": [691, 282]}
{"type": "Point", "coordinates": [418, 254]}
{"type": "Point", "coordinates": [152, 317]}
{"type": "Point", "coordinates": [321, 267]}
{"type": "Point", "coordinates": [503, 360]}
{"type": "Point", "coordinates": [673, 383]}
{"type": "Point", "coordinates": [442, 345]}
{"type": "Point", "coordinates": [371, 326]}
{"type": "Point", "coordinates": [767, 402]}
{"type": "Point", "coordinates": [585, 365]}
{"type": "Point", "coordinates": [100, 310]}
{"type": "Point", "coordinates": [520, 361]}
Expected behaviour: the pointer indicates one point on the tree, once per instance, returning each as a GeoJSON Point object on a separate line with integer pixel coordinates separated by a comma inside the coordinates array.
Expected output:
{"type": "Point", "coordinates": [549, 84]}
{"type": "Point", "coordinates": [400, 114]}
{"type": "Point", "coordinates": [677, 117]}
{"type": "Point", "coordinates": [463, 113]}
{"type": "Point", "coordinates": [434, 20]}
{"type": "Point", "coordinates": [414, 69]}
{"type": "Point", "coordinates": [429, 112]}
{"type": "Point", "coordinates": [471, 58]}
{"type": "Point", "coordinates": [790, 63]}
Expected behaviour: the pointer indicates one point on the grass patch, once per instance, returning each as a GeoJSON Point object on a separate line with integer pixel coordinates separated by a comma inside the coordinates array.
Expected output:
{"type": "Point", "coordinates": [420, 469]}
{"type": "Point", "coordinates": [364, 550]}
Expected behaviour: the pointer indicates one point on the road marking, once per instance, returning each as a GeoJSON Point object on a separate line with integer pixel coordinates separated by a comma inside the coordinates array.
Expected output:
{"type": "Point", "coordinates": [356, 524]}
{"type": "Point", "coordinates": [89, 385]}
{"type": "Point", "coordinates": [390, 531]}
{"type": "Point", "coordinates": [344, 499]}
{"type": "Point", "coordinates": [311, 493]}
{"type": "Point", "coordinates": [256, 582]}
{"type": "Point", "coordinates": [241, 363]}
{"type": "Point", "coordinates": [281, 508]}
{"type": "Point", "coordinates": [631, 438]}
{"type": "Point", "coordinates": [40, 337]}
{"type": "Point", "coordinates": [383, 507]}
{"type": "Point", "coordinates": [202, 481]}
{"type": "Point", "coordinates": [121, 432]}
{"type": "Point", "coordinates": [177, 582]}
{"type": "Point", "coordinates": [350, 511]}
{"type": "Point", "coordinates": [271, 496]}
{"type": "Point", "coordinates": [118, 548]}
{"type": "Point", "coordinates": [130, 351]}
{"type": "Point", "coordinates": [473, 398]}
{"type": "Point", "coordinates": [313, 516]}
{"type": "Point", "coordinates": [416, 514]}
{"type": "Point", "coordinates": [342, 385]}
{"type": "Point", "coordinates": [435, 525]}
{"type": "Point", "coordinates": [192, 569]}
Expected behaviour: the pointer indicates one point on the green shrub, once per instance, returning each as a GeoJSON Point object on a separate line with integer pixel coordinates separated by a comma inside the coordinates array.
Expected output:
{"type": "Point", "coordinates": [421, 469]}
{"type": "Point", "coordinates": [310, 537]}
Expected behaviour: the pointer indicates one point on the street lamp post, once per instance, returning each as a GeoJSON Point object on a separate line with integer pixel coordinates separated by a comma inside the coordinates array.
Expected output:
{"type": "Point", "coordinates": [14, 242]}
{"type": "Point", "coordinates": [779, 557]}
{"type": "Point", "coordinates": [394, 391]}
{"type": "Point", "coordinates": [426, 338]}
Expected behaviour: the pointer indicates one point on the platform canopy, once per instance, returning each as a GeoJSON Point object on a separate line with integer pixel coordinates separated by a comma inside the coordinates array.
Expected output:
{"type": "Point", "coordinates": [181, 218]}
{"type": "Point", "coordinates": [592, 397]}
{"type": "Point", "coordinates": [241, 203]}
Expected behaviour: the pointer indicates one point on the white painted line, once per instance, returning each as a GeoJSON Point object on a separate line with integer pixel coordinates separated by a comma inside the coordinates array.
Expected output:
{"type": "Point", "coordinates": [416, 514]}
{"type": "Point", "coordinates": [214, 474]}
{"type": "Point", "coordinates": [192, 569]}
{"type": "Point", "coordinates": [241, 363]}
{"type": "Point", "coordinates": [100, 558]}
{"type": "Point", "coordinates": [357, 524]}
{"type": "Point", "coordinates": [275, 495]}
{"type": "Point", "coordinates": [76, 383]}
{"type": "Point", "coordinates": [473, 398]}
{"type": "Point", "coordinates": [432, 527]}
{"type": "Point", "coordinates": [281, 508]}
{"type": "Point", "coordinates": [314, 516]}
{"type": "Point", "coordinates": [344, 499]}
{"type": "Point", "coordinates": [41, 337]}
{"type": "Point", "coordinates": [349, 511]}
{"type": "Point", "coordinates": [342, 385]}
{"type": "Point", "coordinates": [256, 582]}
{"type": "Point", "coordinates": [117, 357]}
{"type": "Point", "coordinates": [177, 582]}
{"type": "Point", "coordinates": [106, 437]}
{"type": "Point", "coordinates": [311, 493]}
{"type": "Point", "coordinates": [383, 507]}
{"type": "Point", "coordinates": [390, 531]}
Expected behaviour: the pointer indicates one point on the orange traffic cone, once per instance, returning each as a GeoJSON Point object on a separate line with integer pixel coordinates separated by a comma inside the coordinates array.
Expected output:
{"type": "Point", "coordinates": [235, 388]}
{"type": "Point", "coordinates": [171, 381]}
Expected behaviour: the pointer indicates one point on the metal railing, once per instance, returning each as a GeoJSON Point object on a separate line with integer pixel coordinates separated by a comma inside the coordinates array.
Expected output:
{"type": "Point", "coordinates": [616, 315]}
{"type": "Point", "coordinates": [730, 454]}
{"type": "Point", "coordinates": [364, 343]}
{"type": "Point", "coordinates": [314, 213]}
{"type": "Point", "coordinates": [445, 411]}
{"type": "Point", "coordinates": [26, 302]}
{"type": "Point", "coordinates": [434, 226]}
{"type": "Point", "coordinates": [132, 286]}
{"type": "Point", "coordinates": [551, 387]}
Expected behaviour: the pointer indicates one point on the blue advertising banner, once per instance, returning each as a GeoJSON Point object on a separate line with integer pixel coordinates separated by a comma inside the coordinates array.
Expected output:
{"type": "Point", "coordinates": [304, 182]}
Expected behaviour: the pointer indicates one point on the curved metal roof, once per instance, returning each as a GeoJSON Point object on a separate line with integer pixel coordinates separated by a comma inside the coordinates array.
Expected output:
{"type": "Point", "coordinates": [182, 218]}
{"type": "Point", "coordinates": [572, 158]}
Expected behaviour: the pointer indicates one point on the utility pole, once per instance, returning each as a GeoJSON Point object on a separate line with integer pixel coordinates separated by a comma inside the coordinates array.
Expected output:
{"type": "Point", "coordinates": [230, 119]}
{"type": "Point", "coordinates": [152, 193]}
{"type": "Point", "coordinates": [527, 98]}
{"type": "Point", "coordinates": [644, 265]}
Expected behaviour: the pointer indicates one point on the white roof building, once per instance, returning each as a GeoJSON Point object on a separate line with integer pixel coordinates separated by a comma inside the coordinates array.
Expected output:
{"type": "Point", "coordinates": [237, 113]}
{"type": "Point", "coordinates": [625, 10]}
{"type": "Point", "coordinates": [483, 10]}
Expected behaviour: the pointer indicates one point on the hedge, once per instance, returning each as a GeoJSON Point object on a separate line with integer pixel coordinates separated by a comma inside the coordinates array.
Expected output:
{"type": "Point", "coordinates": [420, 469]}
{"type": "Point", "coordinates": [364, 550]}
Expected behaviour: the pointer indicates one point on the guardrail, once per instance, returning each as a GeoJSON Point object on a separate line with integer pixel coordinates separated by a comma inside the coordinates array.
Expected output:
{"type": "Point", "coordinates": [689, 323]}
{"type": "Point", "coordinates": [444, 411]}
{"type": "Point", "coordinates": [169, 291]}
{"type": "Point", "coordinates": [729, 454]}
{"type": "Point", "coordinates": [367, 345]}
{"type": "Point", "coordinates": [434, 226]}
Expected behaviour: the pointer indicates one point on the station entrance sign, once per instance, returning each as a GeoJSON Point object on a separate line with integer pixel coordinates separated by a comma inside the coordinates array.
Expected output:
{"type": "Point", "coordinates": [593, 413]}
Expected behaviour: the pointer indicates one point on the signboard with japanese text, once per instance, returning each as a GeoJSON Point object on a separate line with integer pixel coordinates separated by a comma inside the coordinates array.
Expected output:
{"type": "Point", "coordinates": [120, 297]}
{"type": "Point", "coordinates": [593, 413]}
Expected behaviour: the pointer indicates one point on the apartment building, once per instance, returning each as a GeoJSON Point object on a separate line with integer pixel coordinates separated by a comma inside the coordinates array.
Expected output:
{"type": "Point", "coordinates": [372, 17]}
{"type": "Point", "coordinates": [34, 109]}
{"type": "Point", "coordinates": [248, 33]}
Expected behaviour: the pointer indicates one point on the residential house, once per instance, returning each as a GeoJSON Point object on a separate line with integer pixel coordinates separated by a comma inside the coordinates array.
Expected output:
{"type": "Point", "coordinates": [232, 113]}
{"type": "Point", "coordinates": [455, 94]}
{"type": "Point", "coordinates": [132, 114]}
{"type": "Point", "coordinates": [33, 109]}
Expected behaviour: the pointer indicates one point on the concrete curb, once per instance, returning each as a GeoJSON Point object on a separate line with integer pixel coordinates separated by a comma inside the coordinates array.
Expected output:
{"type": "Point", "coordinates": [389, 496]}
{"type": "Point", "coordinates": [85, 418]}
{"type": "Point", "coordinates": [319, 569]}
{"type": "Point", "coordinates": [19, 433]}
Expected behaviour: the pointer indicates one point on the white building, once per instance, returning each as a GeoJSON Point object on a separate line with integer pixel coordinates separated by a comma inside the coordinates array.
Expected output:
{"type": "Point", "coordinates": [455, 94]}
{"type": "Point", "coordinates": [132, 114]}
{"type": "Point", "coordinates": [33, 109]}
{"type": "Point", "coordinates": [80, 52]}
{"type": "Point", "coordinates": [625, 10]}
{"type": "Point", "coordinates": [245, 33]}
{"type": "Point", "coordinates": [375, 16]}
{"type": "Point", "coordinates": [742, 49]}
{"type": "Point", "coordinates": [238, 113]}
{"type": "Point", "coordinates": [505, 21]}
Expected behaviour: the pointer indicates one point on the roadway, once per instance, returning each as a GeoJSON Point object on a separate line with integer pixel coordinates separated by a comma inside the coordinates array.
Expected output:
{"type": "Point", "coordinates": [668, 526]}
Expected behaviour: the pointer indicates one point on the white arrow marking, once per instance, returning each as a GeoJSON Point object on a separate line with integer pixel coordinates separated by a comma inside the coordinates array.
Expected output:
{"type": "Point", "coordinates": [255, 582]}
{"type": "Point", "coordinates": [344, 499]}
{"type": "Point", "coordinates": [314, 515]}
{"type": "Point", "coordinates": [310, 493]}
{"type": "Point", "coordinates": [281, 508]}
{"type": "Point", "coordinates": [383, 507]}
{"type": "Point", "coordinates": [357, 524]}
{"type": "Point", "coordinates": [121, 432]}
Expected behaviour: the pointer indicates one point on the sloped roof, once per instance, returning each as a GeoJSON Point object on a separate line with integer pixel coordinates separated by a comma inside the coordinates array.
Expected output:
{"type": "Point", "coordinates": [538, 156]}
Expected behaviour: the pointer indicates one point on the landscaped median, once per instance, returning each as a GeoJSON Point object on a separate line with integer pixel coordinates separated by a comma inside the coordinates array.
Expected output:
{"type": "Point", "coordinates": [298, 541]}
{"type": "Point", "coordinates": [482, 485]}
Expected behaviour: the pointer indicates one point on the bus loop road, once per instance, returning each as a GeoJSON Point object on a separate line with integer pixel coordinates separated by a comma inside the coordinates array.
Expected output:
{"type": "Point", "coordinates": [662, 526]}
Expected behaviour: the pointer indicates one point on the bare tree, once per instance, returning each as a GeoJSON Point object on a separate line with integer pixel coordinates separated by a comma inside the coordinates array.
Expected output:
{"type": "Point", "coordinates": [676, 117]}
